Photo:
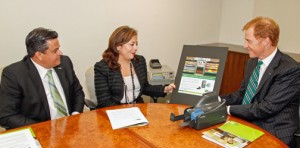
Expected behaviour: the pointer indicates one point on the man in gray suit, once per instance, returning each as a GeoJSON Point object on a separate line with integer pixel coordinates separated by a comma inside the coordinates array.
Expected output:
{"type": "Point", "coordinates": [269, 97]}
{"type": "Point", "coordinates": [42, 86]}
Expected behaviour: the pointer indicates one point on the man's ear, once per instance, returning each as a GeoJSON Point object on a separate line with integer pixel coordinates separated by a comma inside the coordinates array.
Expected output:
{"type": "Point", "coordinates": [267, 42]}
{"type": "Point", "coordinates": [38, 55]}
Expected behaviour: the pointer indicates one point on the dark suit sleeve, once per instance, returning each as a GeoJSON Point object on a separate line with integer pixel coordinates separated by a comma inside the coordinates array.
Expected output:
{"type": "Point", "coordinates": [147, 89]}
{"type": "Point", "coordinates": [10, 102]}
{"type": "Point", "coordinates": [103, 93]}
{"type": "Point", "coordinates": [76, 92]}
{"type": "Point", "coordinates": [281, 90]}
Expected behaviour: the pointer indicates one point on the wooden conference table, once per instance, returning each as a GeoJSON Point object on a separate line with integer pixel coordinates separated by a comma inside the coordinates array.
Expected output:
{"type": "Point", "coordinates": [93, 129]}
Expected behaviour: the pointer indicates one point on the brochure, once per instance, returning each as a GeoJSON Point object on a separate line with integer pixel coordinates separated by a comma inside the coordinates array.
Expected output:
{"type": "Point", "coordinates": [241, 130]}
{"type": "Point", "coordinates": [232, 135]}
{"type": "Point", "coordinates": [224, 139]}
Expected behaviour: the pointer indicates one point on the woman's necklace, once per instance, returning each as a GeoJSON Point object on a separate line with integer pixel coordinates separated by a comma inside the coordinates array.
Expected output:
{"type": "Point", "coordinates": [133, 87]}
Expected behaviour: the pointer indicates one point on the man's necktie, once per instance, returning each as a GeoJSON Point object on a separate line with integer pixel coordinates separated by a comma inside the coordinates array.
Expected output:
{"type": "Point", "coordinates": [252, 84]}
{"type": "Point", "coordinates": [58, 102]}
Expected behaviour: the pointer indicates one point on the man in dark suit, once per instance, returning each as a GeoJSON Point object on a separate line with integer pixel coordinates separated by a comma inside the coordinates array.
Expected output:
{"type": "Point", "coordinates": [42, 86]}
{"type": "Point", "coordinates": [273, 104]}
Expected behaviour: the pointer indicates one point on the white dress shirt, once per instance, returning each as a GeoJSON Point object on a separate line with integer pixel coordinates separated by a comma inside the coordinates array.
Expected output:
{"type": "Point", "coordinates": [262, 69]}
{"type": "Point", "coordinates": [42, 72]}
{"type": "Point", "coordinates": [265, 64]}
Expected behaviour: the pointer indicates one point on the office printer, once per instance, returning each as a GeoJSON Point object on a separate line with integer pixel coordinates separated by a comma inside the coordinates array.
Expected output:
{"type": "Point", "coordinates": [208, 111]}
{"type": "Point", "coordinates": [164, 75]}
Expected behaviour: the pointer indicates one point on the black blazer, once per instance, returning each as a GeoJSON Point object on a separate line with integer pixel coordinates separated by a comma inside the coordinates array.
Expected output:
{"type": "Point", "coordinates": [275, 106]}
{"type": "Point", "coordinates": [23, 100]}
{"type": "Point", "coordinates": [109, 84]}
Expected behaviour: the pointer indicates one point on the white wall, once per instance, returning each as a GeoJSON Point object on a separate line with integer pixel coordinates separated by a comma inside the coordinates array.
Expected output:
{"type": "Point", "coordinates": [287, 14]}
{"type": "Point", "coordinates": [236, 13]}
{"type": "Point", "coordinates": [84, 27]}
{"type": "Point", "coordinates": [163, 25]}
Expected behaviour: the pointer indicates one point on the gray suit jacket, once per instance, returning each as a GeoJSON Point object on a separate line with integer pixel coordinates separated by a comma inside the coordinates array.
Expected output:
{"type": "Point", "coordinates": [275, 106]}
{"type": "Point", "coordinates": [23, 100]}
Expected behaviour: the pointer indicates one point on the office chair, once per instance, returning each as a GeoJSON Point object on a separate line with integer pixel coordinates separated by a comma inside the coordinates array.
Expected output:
{"type": "Point", "coordinates": [1, 69]}
{"type": "Point", "coordinates": [91, 101]}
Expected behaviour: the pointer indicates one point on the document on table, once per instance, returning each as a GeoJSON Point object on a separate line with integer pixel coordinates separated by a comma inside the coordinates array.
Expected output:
{"type": "Point", "coordinates": [19, 138]}
{"type": "Point", "coordinates": [126, 117]}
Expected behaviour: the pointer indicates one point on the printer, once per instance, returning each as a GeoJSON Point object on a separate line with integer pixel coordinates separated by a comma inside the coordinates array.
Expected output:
{"type": "Point", "coordinates": [207, 112]}
{"type": "Point", "coordinates": [161, 76]}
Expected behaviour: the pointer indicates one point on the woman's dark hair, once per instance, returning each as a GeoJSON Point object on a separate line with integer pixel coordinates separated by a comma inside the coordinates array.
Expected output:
{"type": "Point", "coordinates": [119, 37]}
{"type": "Point", "coordinates": [36, 40]}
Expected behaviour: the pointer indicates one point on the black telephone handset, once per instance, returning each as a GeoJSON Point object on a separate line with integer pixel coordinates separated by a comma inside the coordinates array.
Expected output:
{"type": "Point", "coordinates": [154, 64]}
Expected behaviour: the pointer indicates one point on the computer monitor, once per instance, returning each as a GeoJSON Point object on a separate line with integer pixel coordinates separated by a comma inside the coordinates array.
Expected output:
{"type": "Point", "coordinates": [200, 70]}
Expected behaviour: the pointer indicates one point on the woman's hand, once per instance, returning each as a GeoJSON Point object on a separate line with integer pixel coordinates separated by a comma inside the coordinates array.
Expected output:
{"type": "Point", "coordinates": [169, 88]}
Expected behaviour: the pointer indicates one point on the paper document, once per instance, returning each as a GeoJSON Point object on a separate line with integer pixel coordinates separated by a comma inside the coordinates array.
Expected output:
{"type": "Point", "coordinates": [21, 138]}
{"type": "Point", "coordinates": [126, 117]}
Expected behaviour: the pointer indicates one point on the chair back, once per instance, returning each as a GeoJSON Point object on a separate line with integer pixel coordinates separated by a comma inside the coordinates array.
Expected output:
{"type": "Point", "coordinates": [91, 101]}
{"type": "Point", "coordinates": [1, 69]}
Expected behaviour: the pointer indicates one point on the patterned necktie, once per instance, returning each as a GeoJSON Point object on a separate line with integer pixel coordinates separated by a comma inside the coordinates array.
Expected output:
{"type": "Point", "coordinates": [58, 102]}
{"type": "Point", "coordinates": [252, 84]}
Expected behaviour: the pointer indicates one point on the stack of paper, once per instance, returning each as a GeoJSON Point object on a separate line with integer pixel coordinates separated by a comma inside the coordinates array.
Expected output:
{"type": "Point", "coordinates": [126, 117]}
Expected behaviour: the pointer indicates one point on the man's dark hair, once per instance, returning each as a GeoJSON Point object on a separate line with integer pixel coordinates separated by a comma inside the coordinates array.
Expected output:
{"type": "Point", "coordinates": [36, 40]}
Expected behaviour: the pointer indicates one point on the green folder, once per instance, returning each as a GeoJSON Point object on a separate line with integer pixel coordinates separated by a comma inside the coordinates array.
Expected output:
{"type": "Point", "coordinates": [241, 130]}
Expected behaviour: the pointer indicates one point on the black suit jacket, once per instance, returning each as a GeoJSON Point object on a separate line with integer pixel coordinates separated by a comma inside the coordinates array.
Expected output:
{"type": "Point", "coordinates": [275, 106]}
{"type": "Point", "coordinates": [109, 84]}
{"type": "Point", "coordinates": [23, 100]}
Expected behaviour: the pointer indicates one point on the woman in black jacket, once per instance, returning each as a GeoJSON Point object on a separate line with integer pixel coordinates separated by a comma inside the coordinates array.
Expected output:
{"type": "Point", "coordinates": [121, 76]}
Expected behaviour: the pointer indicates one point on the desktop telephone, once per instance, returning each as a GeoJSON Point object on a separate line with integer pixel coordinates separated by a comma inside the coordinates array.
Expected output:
{"type": "Point", "coordinates": [155, 64]}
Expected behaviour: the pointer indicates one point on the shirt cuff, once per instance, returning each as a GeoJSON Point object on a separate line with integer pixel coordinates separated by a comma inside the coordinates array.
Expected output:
{"type": "Point", "coordinates": [228, 110]}
{"type": "Point", "coordinates": [219, 98]}
{"type": "Point", "coordinates": [75, 113]}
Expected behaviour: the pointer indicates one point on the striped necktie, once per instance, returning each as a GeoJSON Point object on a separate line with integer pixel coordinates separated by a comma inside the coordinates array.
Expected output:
{"type": "Point", "coordinates": [252, 84]}
{"type": "Point", "coordinates": [58, 102]}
